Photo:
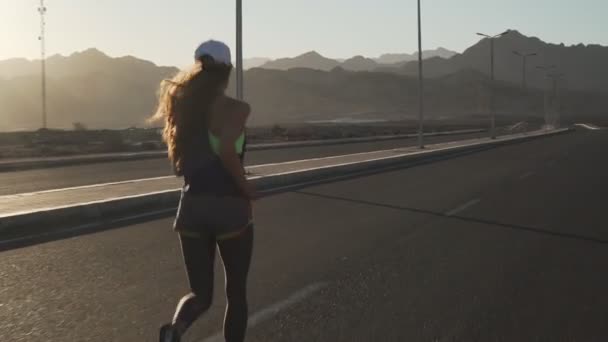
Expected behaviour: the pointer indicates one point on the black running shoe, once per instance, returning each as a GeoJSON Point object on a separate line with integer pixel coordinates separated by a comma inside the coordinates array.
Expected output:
{"type": "Point", "coordinates": [168, 333]}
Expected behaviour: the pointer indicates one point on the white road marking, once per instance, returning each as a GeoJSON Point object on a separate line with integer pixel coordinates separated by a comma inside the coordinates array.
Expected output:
{"type": "Point", "coordinates": [273, 309]}
{"type": "Point", "coordinates": [588, 126]}
{"type": "Point", "coordinates": [88, 186]}
{"type": "Point", "coordinates": [463, 207]}
{"type": "Point", "coordinates": [526, 175]}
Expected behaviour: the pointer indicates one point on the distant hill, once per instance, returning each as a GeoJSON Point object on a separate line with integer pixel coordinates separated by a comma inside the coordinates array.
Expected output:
{"type": "Point", "coordinates": [439, 52]}
{"type": "Point", "coordinates": [359, 63]}
{"type": "Point", "coordinates": [314, 60]}
{"type": "Point", "coordinates": [311, 60]}
{"type": "Point", "coordinates": [255, 62]}
{"type": "Point", "coordinates": [87, 87]}
{"type": "Point", "coordinates": [400, 58]}
{"type": "Point", "coordinates": [585, 66]}
{"type": "Point", "coordinates": [395, 58]}
{"type": "Point", "coordinates": [81, 63]}
{"type": "Point", "coordinates": [16, 67]}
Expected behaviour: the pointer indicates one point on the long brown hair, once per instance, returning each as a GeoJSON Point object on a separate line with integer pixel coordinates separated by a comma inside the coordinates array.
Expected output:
{"type": "Point", "coordinates": [184, 104]}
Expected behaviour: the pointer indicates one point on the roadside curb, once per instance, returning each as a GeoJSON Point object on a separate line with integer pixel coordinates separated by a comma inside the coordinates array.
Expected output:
{"type": "Point", "coordinates": [23, 226]}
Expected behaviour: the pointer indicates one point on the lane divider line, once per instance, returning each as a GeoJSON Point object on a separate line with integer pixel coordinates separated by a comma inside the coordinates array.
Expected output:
{"type": "Point", "coordinates": [463, 207]}
{"type": "Point", "coordinates": [526, 175]}
{"type": "Point", "coordinates": [274, 309]}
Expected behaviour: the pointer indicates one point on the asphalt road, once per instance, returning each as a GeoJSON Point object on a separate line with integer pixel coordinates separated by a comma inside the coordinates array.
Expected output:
{"type": "Point", "coordinates": [15, 182]}
{"type": "Point", "coordinates": [507, 244]}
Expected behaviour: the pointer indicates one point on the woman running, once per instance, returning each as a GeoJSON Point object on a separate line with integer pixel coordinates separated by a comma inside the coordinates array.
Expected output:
{"type": "Point", "coordinates": [204, 133]}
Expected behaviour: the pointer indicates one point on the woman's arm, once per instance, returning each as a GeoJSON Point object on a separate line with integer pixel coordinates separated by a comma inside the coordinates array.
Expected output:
{"type": "Point", "coordinates": [234, 123]}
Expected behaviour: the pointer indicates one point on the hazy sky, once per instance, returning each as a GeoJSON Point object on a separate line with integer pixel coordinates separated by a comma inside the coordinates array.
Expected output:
{"type": "Point", "coordinates": [166, 32]}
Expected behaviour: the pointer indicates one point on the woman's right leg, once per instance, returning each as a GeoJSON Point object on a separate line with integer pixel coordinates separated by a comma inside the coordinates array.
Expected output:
{"type": "Point", "coordinates": [236, 257]}
{"type": "Point", "coordinates": [199, 258]}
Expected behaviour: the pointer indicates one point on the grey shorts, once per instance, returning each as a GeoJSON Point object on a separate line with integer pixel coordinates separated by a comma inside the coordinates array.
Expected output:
{"type": "Point", "coordinates": [219, 216]}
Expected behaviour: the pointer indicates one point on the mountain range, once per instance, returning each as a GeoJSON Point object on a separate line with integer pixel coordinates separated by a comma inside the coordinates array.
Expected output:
{"type": "Point", "coordinates": [87, 87]}
{"type": "Point", "coordinates": [584, 67]}
{"type": "Point", "coordinates": [314, 60]}
{"type": "Point", "coordinates": [105, 92]}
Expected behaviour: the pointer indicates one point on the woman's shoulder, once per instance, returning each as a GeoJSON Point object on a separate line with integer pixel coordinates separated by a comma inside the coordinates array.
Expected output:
{"type": "Point", "coordinates": [232, 106]}
{"type": "Point", "coordinates": [229, 113]}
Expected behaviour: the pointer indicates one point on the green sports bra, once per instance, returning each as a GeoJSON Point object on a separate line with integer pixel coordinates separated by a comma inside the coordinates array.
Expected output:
{"type": "Point", "coordinates": [214, 142]}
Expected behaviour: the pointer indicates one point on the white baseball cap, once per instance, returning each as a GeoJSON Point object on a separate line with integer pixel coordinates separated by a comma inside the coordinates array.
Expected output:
{"type": "Point", "coordinates": [219, 51]}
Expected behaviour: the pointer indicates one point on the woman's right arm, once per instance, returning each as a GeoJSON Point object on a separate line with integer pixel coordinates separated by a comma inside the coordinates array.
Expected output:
{"type": "Point", "coordinates": [236, 117]}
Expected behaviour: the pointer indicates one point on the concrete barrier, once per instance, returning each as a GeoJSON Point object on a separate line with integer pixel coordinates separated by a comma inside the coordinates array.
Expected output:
{"type": "Point", "coordinates": [48, 162]}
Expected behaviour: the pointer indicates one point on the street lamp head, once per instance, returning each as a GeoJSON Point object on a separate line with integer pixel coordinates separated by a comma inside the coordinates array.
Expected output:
{"type": "Point", "coordinates": [517, 53]}
{"type": "Point", "coordinates": [504, 33]}
{"type": "Point", "coordinates": [483, 35]}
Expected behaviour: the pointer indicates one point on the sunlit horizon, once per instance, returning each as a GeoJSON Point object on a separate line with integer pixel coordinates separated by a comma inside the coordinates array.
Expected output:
{"type": "Point", "coordinates": [166, 33]}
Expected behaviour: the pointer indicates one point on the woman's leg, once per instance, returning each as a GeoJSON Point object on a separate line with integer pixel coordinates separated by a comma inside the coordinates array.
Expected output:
{"type": "Point", "coordinates": [236, 257]}
{"type": "Point", "coordinates": [199, 257]}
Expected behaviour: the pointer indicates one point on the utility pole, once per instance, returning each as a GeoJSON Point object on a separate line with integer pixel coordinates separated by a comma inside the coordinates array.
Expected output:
{"type": "Point", "coordinates": [492, 109]}
{"type": "Point", "coordinates": [42, 11]}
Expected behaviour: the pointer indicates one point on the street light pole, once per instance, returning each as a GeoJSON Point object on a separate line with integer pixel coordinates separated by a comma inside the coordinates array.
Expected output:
{"type": "Point", "coordinates": [42, 11]}
{"type": "Point", "coordinates": [555, 104]}
{"type": "Point", "coordinates": [555, 101]}
{"type": "Point", "coordinates": [420, 83]}
{"type": "Point", "coordinates": [546, 69]}
{"type": "Point", "coordinates": [524, 57]}
{"type": "Point", "coordinates": [546, 104]}
{"type": "Point", "coordinates": [239, 50]}
{"type": "Point", "coordinates": [492, 95]}
{"type": "Point", "coordinates": [239, 58]}
{"type": "Point", "coordinates": [492, 110]}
